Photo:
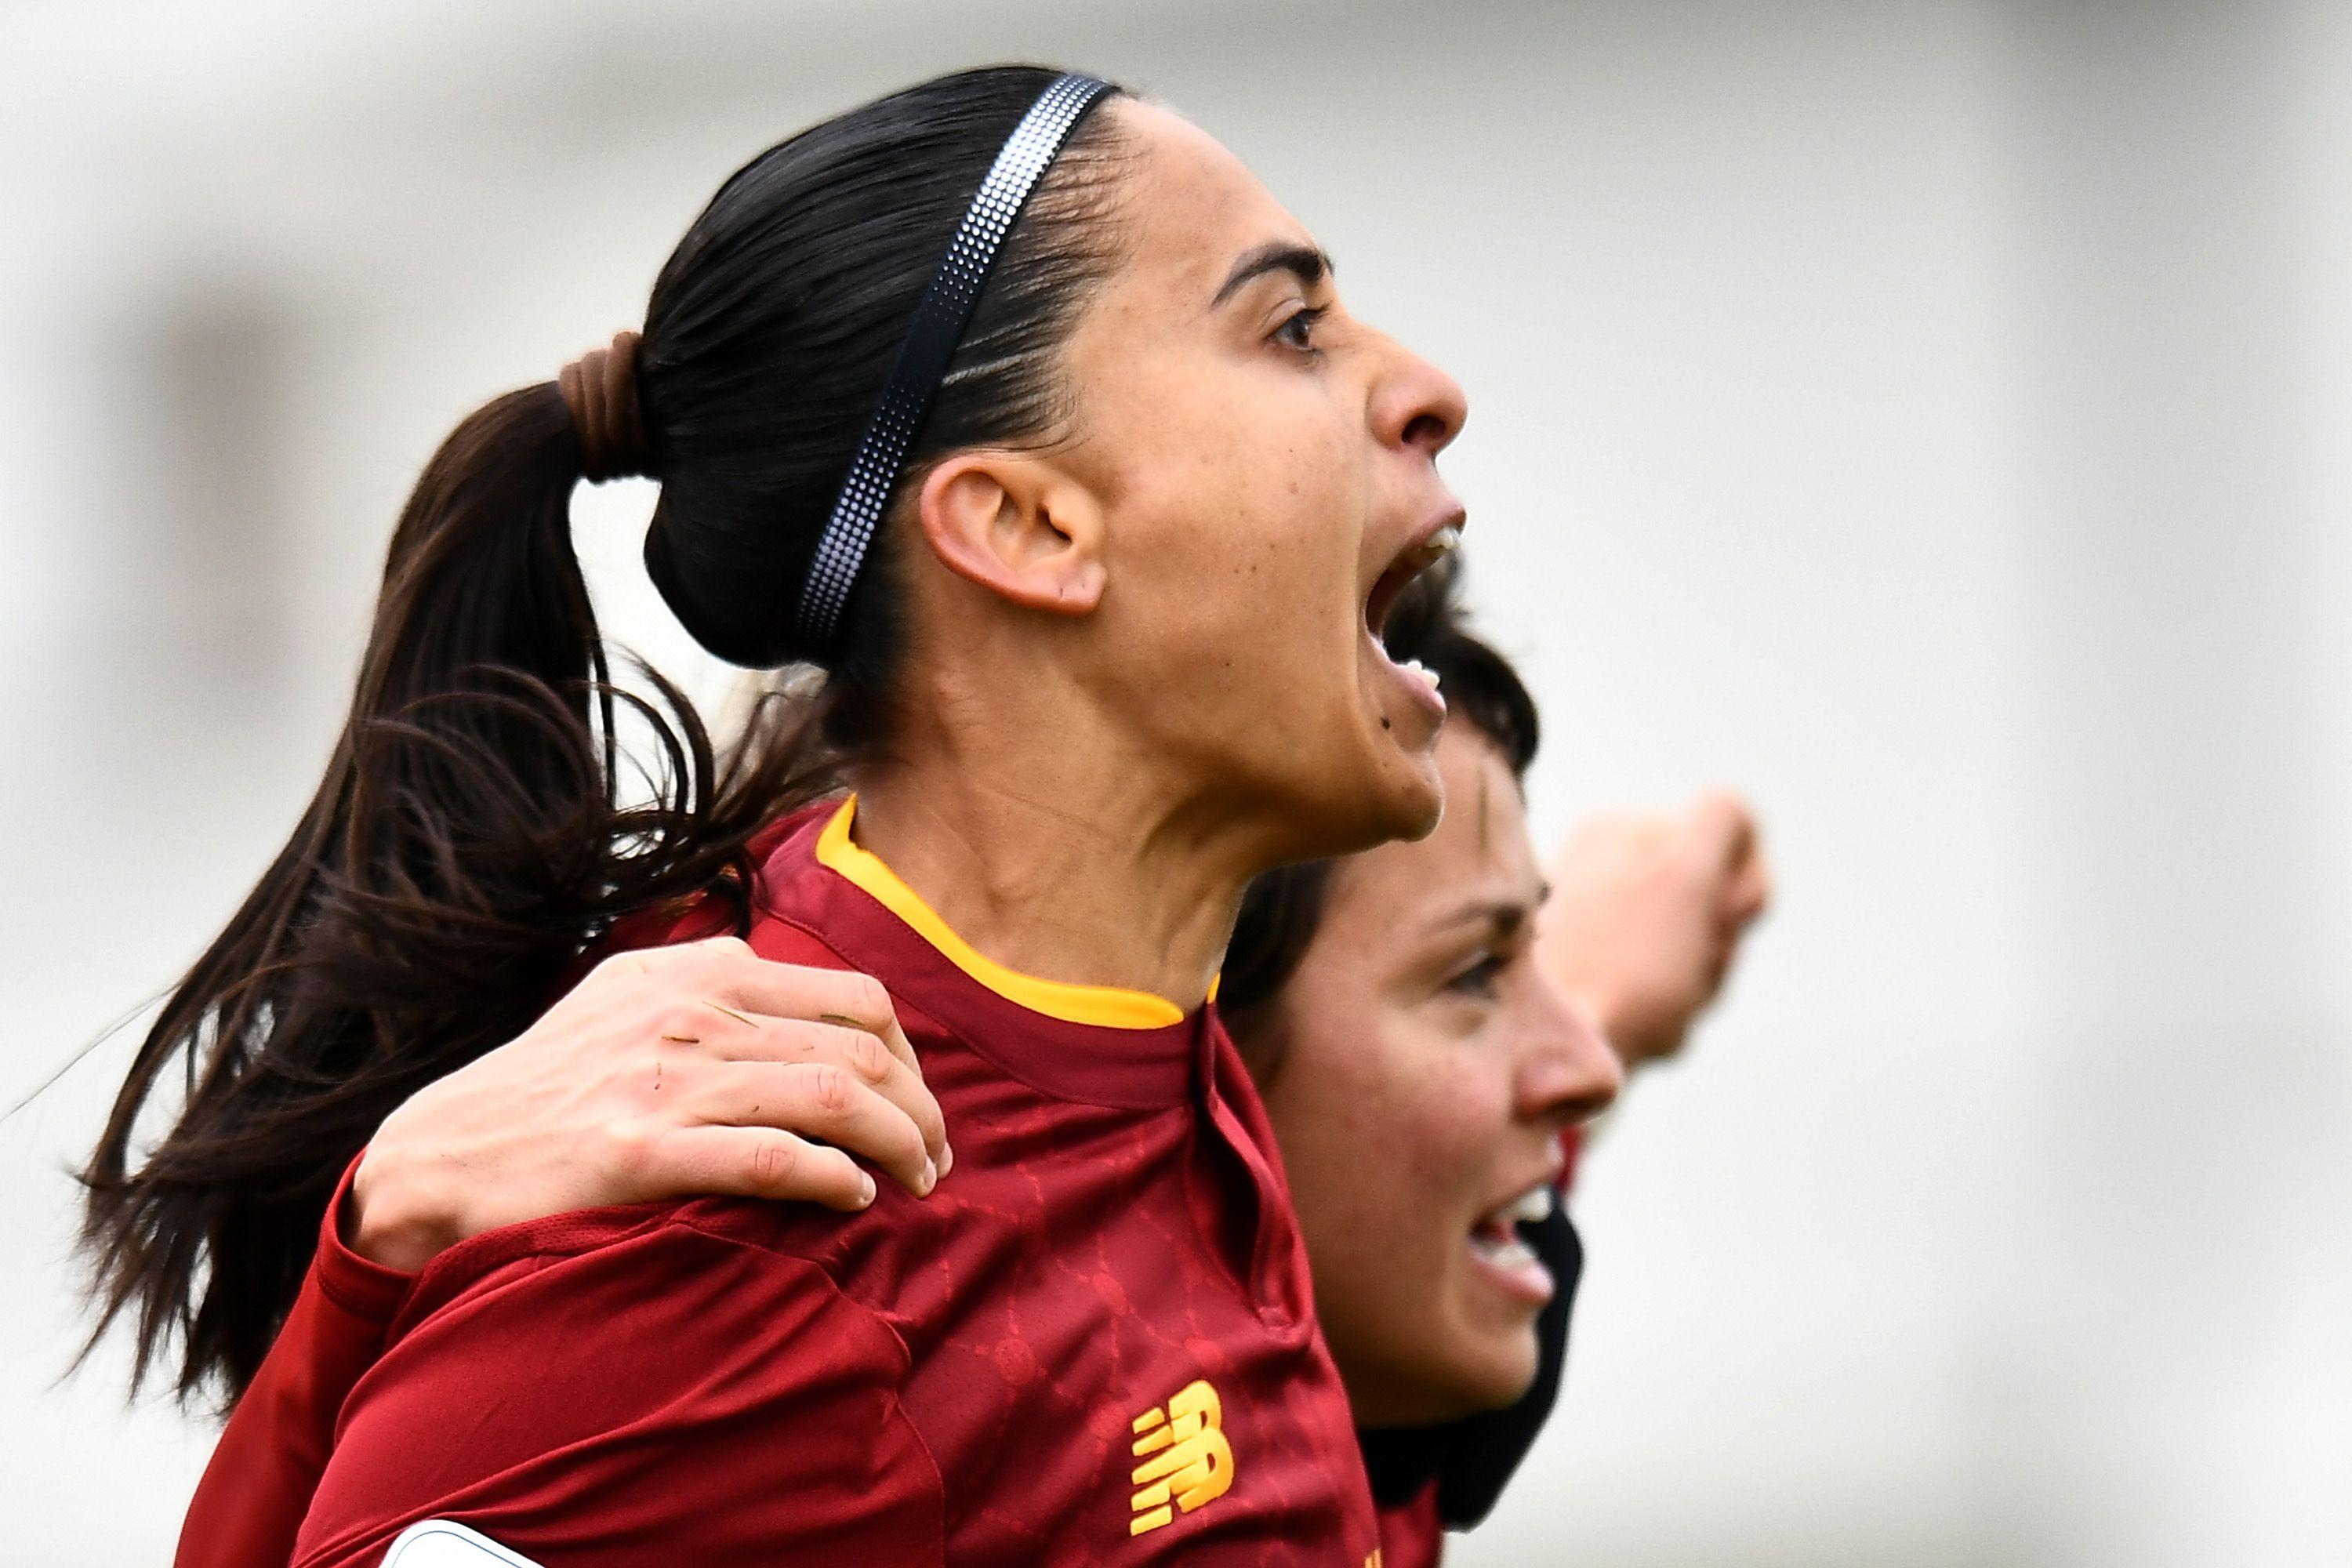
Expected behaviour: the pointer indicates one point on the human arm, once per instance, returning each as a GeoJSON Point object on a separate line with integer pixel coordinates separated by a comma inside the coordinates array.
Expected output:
{"type": "Point", "coordinates": [691, 1070]}
{"type": "Point", "coordinates": [620, 1388]}
{"type": "Point", "coordinates": [564, 1118]}
{"type": "Point", "coordinates": [1647, 915]}
{"type": "Point", "coordinates": [258, 1482]}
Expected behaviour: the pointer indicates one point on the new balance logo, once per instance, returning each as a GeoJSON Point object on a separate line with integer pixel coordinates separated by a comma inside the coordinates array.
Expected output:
{"type": "Point", "coordinates": [1186, 1460]}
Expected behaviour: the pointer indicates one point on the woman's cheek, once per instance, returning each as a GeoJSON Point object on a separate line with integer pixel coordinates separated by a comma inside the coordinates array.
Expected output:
{"type": "Point", "coordinates": [1437, 1109]}
{"type": "Point", "coordinates": [1467, 1093]}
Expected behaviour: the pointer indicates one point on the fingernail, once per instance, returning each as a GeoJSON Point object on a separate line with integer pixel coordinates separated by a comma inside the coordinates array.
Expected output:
{"type": "Point", "coordinates": [865, 1187]}
{"type": "Point", "coordinates": [931, 1174]}
{"type": "Point", "coordinates": [947, 1158]}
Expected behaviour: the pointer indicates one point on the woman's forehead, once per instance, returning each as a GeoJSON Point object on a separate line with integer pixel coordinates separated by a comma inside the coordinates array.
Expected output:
{"type": "Point", "coordinates": [1195, 207]}
{"type": "Point", "coordinates": [1479, 857]}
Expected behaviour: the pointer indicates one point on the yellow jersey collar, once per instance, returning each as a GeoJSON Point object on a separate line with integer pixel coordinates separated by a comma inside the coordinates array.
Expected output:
{"type": "Point", "coordinates": [1107, 1006]}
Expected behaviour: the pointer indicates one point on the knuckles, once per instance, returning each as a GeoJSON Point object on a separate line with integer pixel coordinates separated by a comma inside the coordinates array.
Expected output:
{"type": "Point", "coordinates": [773, 1161]}
{"type": "Point", "coordinates": [867, 999]}
{"type": "Point", "coordinates": [682, 1021]}
{"type": "Point", "coordinates": [709, 963]}
{"type": "Point", "coordinates": [868, 1057]}
{"type": "Point", "coordinates": [628, 1147]}
{"type": "Point", "coordinates": [828, 1087]}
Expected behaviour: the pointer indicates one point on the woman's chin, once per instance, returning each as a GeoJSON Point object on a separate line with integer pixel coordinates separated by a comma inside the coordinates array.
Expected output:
{"type": "Point", "coordinates": [1467, 1378]}
{"type": "Point", "coordinates": [1497, 1370]}
{"type": "Point", "coordinates": [1355, 791]}
{"type": "Point", "coordinates": [1400, 798]}
{"type": "Point", "coordinates": [1506, 1388]}
{"type": "Point", "coordinates": [1412, 796]}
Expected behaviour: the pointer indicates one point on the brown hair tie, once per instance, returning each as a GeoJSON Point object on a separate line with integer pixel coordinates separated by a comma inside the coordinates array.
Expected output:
{"type": "Point", "coordinates": [600, 387]}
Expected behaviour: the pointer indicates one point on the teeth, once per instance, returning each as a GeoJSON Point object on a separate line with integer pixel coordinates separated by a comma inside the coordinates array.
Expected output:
{"type": "Point", "coordinates": [1511, 1254]}
{"type": "Point", "coordinates": [1445, 540]}
{"type": "Point", "coordinates": [1500, 1243]}
{"type": "Point", "coordinates": [1530, 1208]}
{"type": "Point", "coordinates": [1414, 667]}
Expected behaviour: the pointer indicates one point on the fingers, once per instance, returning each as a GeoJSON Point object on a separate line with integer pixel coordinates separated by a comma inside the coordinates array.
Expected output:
{"type": "Point", "coordinates": [791, 1042]}
{"type": "Point", "coordinates": [757, 1162]}
{"type": "Point", "coordinates": [743, 1007]}
{"type": "Point", "coordinates": [816, 1099]}
{"type": "Point", "coordinates": [1750, 893]}
{"type": "Point", "coordinates": [823, 995]}
{"type": "Point", "coordinates": [1725, 828]}
{"type": "Point", "coordinates": [1731, 844]}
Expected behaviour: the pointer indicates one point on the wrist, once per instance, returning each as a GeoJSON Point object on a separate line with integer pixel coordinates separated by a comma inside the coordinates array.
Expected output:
{"type": "Point", "coordinates": [385, 1222]}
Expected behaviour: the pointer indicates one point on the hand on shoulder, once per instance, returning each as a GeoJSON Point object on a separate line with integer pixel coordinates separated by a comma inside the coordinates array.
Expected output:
{"type": "Point", "coordinates": [691, 1070]}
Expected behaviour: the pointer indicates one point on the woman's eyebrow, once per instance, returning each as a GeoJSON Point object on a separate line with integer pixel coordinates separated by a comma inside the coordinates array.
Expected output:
{"type": "Point", "coordinates": [1502, 916]}
{"type": "Point", "coordinates": [1308, 264]}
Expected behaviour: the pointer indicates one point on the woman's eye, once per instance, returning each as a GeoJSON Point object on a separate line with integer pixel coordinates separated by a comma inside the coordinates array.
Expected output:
{"type": "Point", "coordinates": [1298, 330]}
{"type": "Point", "coordinates": [1481, 979]}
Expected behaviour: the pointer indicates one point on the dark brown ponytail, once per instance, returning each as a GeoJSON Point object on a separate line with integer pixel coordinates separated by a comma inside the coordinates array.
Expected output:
{"type": "Point", "coordinates": [465, 847]}
{"type": "Point", "coordinates": [470, 838]}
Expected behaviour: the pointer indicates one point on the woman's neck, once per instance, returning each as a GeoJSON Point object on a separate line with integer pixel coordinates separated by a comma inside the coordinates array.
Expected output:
{"type": "Point", "coordinates": [1057, 867]}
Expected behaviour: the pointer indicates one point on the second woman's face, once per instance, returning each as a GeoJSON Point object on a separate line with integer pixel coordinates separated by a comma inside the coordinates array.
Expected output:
{"type": "Point", "coordinates": [1266, 464]}
{"type": "Point", "coordinates": [1426, 1071]}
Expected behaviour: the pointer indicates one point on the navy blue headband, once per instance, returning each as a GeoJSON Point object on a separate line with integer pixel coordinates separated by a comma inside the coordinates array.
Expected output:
{"type": "Point", "coordinates": [932, 338]}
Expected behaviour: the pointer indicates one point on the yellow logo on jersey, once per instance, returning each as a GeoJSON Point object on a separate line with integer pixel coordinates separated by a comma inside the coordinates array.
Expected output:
{"type": "Point", "coordinates": [1186, 1459]}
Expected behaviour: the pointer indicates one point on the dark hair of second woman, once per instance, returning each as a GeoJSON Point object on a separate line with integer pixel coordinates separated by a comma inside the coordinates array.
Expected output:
{"type": "Point", "coordinates": [471, 838]}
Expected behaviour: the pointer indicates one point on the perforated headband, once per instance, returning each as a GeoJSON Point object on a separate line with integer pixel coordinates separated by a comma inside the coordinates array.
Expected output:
{"type": "Point", "coordinates": [932, 338]}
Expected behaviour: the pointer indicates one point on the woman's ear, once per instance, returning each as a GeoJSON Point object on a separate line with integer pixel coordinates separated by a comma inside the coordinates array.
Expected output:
{"type": "Point", "coordinates": [1018, 526]}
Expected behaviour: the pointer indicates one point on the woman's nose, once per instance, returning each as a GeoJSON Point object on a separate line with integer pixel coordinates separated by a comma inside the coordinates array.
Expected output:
{"type": "Point", "coordinates": [1415, 403]}
{"type": "Point", "coordinates": [1571, 1072]}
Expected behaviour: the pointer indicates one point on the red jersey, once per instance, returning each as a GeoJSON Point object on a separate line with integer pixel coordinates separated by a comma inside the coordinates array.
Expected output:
{"type": "Point", "coordinates": [1094, 1343]}
{"type": "Point", "coordinates": [1412, 1533]}
{"type": "Point", "coordinates": [259, 1484]}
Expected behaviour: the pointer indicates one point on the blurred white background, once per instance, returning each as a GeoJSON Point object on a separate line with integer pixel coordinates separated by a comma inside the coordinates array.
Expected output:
{"type": "Point", "coordinates": [1934, 417]}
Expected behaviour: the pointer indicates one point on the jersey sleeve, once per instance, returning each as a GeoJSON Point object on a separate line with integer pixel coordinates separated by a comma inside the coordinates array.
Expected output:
{"type": "Point", "coordinates": [675, 1395]}
{"type": "Point", "coordinates": [258, 1484]}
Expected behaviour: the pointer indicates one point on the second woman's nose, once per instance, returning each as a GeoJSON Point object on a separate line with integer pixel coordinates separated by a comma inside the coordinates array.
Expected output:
{"type": "Point", "coordinates": [1570, 1072]}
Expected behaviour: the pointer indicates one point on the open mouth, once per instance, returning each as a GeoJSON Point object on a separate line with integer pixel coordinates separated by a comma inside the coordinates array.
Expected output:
{"type": "Point", "coordinates": [1497, 1242]}
{"type": "Point", "coordinates": [1417, 557]}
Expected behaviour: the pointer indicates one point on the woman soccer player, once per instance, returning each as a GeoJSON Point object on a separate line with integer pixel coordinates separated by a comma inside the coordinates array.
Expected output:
{"type": "Point", "coordinates": [1394, 1003]}
{"type": "Point", "coordinates": [1097, 571]}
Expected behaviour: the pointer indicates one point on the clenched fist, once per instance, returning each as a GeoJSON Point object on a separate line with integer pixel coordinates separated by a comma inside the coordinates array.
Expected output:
{"type": "Point", "coordinates": [1646, 914]}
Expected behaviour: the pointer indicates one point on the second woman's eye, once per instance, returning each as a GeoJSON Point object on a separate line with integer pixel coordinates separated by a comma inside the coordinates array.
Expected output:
{"type": "Point", "coordinates": [1480, 978]}
{"type": "Point", "coordinates": [1299, 328]}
